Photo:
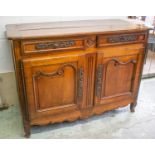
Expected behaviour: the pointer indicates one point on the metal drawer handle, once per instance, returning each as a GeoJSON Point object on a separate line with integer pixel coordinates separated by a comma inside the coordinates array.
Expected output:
{"type": "Point", "coordinates": [54, 45]}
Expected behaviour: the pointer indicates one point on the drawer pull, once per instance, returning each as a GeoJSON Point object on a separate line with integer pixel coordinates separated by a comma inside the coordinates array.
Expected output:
{"type": "Point", "coordinates": [117, 39]}
{"type": "Point", "coordinates": [54, 45]}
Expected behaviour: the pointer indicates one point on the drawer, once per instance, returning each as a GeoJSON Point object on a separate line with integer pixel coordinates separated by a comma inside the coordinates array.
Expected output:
{"type": "Point", "coordinates": [49, 45]}
{"type": "Point", "coordinates": [105, 40]}
{"type": "Point", "coordinates": [122, 50]}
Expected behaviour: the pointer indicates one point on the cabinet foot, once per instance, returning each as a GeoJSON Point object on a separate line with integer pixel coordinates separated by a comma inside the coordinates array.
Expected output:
{"type": "Point", "coordinates": [132, 106]}
{"type": "Point", "coordinates": [27, 130]}
{"type": "Point", "coordinates": [27, 135]}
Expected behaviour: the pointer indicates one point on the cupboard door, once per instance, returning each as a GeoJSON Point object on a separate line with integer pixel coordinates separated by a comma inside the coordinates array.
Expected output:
{"type": "Point", "coordinates": [117, 78]}
{"type": "Point", "coordinates": [54, 85]}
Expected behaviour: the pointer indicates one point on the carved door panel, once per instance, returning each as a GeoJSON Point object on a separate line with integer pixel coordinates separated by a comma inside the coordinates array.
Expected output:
{"type": "Point", "coordinates": [117, 77]}
{"type": "Point", "coordinates": [54, 85]}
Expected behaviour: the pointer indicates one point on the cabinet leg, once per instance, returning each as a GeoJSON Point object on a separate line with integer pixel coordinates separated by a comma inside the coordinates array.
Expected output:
{"type": "Point", "coordinates": [132, 106]}
{"type": "Point", "coordinates": [27, 129]}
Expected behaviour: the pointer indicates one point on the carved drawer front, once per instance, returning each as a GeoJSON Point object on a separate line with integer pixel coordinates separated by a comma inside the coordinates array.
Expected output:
{"type": "Point", "coordinates": [104, 40]}
{"type": "Point", "coordinates": [54, 85]}
{"type": "Point", "coordinates": [38, 46]}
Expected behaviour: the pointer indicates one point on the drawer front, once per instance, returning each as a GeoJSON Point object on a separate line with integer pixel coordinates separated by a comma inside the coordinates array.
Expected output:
{"type": "Point", "coordinates": [105, 40]}
{"type": "Point", "coordinates": [39, 46]}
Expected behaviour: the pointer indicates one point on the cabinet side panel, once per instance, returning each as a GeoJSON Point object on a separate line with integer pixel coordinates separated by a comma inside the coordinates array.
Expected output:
{"type": "Point", "coordinates": [16, 49]}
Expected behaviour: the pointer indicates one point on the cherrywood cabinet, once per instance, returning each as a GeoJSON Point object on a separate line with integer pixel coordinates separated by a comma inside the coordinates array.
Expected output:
{"type": "Point", "coordinates": [72, 70]}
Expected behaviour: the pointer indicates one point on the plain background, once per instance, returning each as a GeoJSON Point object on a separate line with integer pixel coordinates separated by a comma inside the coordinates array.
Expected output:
{"type": "Point", "coordinates": [77, 8]}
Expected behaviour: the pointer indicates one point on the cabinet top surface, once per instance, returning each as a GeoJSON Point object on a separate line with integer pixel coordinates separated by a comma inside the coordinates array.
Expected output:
{"type": "Point", "coordinates": [70, 28]}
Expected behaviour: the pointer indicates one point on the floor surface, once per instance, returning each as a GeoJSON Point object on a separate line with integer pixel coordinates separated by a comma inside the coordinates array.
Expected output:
{"type": "Point", "coordinates": [120, 123]}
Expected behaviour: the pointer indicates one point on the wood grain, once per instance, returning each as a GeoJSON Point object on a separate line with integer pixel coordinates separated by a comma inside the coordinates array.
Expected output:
{"type": "Point", "coordinates": [74, 28]}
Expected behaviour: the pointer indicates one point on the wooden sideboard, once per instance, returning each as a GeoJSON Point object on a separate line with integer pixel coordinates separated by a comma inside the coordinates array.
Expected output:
{"type": "Point", "coordinates": [72, 70]}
